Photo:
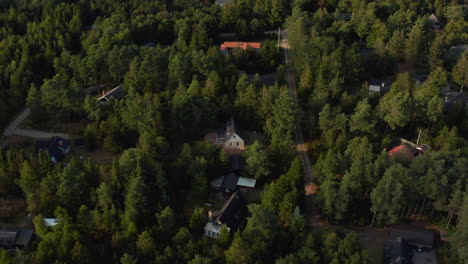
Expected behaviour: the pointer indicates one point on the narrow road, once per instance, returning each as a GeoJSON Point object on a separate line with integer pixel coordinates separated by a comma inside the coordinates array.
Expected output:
{"type": "Point", "coordinates": [312, 212]}
{"type": "Point", "coordinates": [13, 130]}
{"type": "Point", "coordinates": [9, 131]}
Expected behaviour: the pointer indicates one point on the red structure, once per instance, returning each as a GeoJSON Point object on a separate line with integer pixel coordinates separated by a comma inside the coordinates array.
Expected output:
{"type": "Point", "coordinates": [242, 45]}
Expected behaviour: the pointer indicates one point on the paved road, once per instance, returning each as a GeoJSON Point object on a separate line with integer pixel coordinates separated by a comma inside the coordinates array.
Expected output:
{"type": "Point", "coordinates": [13, 130]}
{"type": "Point", "coordinates": [311, 210]}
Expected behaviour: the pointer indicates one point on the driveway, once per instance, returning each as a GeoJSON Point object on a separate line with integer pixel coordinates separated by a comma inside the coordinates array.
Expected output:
{"type": "Point", "coordinates": [13, 130]}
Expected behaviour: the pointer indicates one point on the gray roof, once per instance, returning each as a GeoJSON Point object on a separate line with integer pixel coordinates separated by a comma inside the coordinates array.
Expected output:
{"type": "Point", "coordinates": [94, 89]}
{"type": "Point", "coordinates": [420, 78]}
{"type": "Point", "coordinates": [246, 182]}
{"type": "Point", "coordinates": [397, 251]}
{"type": "Point", "coordinates": [11, 238]}
{"type": "Point", "coordinates": [374, 88]}
{"type": "Point", "coordinates": [230, 182]}
{"type": "Point", "coordinates": [414, 236]}
{"type": "Point", "coordinates": [452, 98]}
{"type": "Point", "coordinates": [24, 237]}
{"type": "Point", "coordinates": [217, 183]}
{"type": "Point", "coordinates": [233, 212]}
{"type": "Point", "coordinates": [236, 163]}
{"type": "Point", "coordinates": [456, 51]}
{"type": "Point", "coordinates": [222, 2]}
{"type": "Point", "coordinates": [8, 237]}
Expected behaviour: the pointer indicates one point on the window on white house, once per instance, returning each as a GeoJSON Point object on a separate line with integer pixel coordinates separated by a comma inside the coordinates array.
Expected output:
{"type": "Point", "coordinates": [238, 144]}
{"type": "Point", "coordinates": [230, 144]}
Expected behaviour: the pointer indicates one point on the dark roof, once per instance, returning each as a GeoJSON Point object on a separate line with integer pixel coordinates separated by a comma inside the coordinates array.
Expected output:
{"type": "Point", "coordinates": [150, 44]}
{"type": "Point", "coordinates": [24, 237]}
{"type": "Point", "coordinates": [116, 93]}
{"type": "Point", "coordinates": [397, 251]}
{"type": "Point", "coordinates": [420, 78]}
{"type": "Point", "coordinates": [12, 237]}
{"type": "Point", "coordinates": [414, 236]}
{"type": "Point", "coordinates": [60, 142]}
{"type": "Point", "coordinates": [56, 146]}
{"type": "Point", "coordinates": [233, 212]}
{"type": "Point", "coordinates": [220, 133]}
{"type": "Point", "coordinates": [236, 163]}
{"type": "Point", "coordinates": [8, 238]}
{"type": "Point", "coordinates": [40, 145]}
{"type": "Point", "coordinates": [230, 182]}
{"type": "Point", "coordinates": [452, 98]}
{"type": "Point", "coordinates": [94, 89]}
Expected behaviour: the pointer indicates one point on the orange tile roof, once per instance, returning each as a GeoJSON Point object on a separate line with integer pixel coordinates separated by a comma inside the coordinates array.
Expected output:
{"type": "Point", "coordinates": [242, 45]}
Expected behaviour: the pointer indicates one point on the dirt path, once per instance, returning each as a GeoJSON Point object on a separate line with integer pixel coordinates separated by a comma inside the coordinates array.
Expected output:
{"type": "Point", "coordinates": [9, 131]}
{"type": "Point", "coordinates": [13, 130]}
{"type": "Point", "coordinates": [311, 210]}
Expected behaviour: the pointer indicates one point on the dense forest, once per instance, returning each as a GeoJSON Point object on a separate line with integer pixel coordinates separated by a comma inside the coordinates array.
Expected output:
{"type": "Point", "coordinates": [178, 86]}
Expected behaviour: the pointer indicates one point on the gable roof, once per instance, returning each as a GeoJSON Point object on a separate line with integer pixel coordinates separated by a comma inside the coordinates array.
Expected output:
{"type": "Point", "coordinates": [12, 237]}
{"type": "Point", "coordinates": [414, 236]}
{"type": "Point", "coordinates": [241, 45]}
{"type": "Point", "coordinates": [246, 182]}
{"type": "Point", "coordinates": [374, 88]}
{"type": "Point", "coordinates": [116, 93]}
{"type": "Point", "coordinates": [8, 237]}
{"type": "Point", "coordinates": [400, 145]}
{"type": "Point", "coordinates": [397, 251]}
{"type": "Point", "coordinates": [233, 212]}
{"type": "Point", "coordinates": [236, 163]}
{"type": "Point", "coordinates": [230, 182]}
{"type": "Point", "coordinates": [452, 98]}
{"type": "Point", "coordinates": [24, 237]}
{"type": "Point", "coordinates": [94, 89]}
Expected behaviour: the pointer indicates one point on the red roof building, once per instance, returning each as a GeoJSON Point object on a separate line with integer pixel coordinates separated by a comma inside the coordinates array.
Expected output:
{"type": "Point", "coordinates": [242, 45]}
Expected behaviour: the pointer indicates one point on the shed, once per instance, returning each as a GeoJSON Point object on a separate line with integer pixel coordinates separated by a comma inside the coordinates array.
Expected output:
{"type": "Point", "coordinates": [246, 182]}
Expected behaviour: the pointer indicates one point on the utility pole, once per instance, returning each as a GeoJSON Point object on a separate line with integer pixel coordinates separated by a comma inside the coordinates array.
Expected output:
{"type": "Point", "coordinates": [417, 142]}
{"type": "Point", "coordinates": [279, 35]}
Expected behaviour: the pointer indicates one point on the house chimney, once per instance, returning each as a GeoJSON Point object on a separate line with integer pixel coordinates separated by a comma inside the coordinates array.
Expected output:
{"type": "Point", "coordinates": [103, 92]}
{"type": "Point", "coordinates": [210, 216]}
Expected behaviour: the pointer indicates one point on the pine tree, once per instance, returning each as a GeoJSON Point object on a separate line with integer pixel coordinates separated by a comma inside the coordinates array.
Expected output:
{"type": "Point", "coordinates": [460, 71]}
{"type": "Point", "coordinates": [387, 196]}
